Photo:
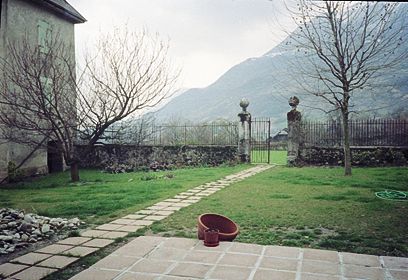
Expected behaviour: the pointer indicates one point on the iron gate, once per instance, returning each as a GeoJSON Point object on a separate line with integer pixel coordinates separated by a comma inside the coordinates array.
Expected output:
{"type": "Point", "coordinates": [260, 135]}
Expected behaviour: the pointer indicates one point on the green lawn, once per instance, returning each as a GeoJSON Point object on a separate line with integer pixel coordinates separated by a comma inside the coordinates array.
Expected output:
{"type": "Point", "coordinates": [101, 197]}
{"type": "Point", "coordinates": [309, 207]}
{"type": "Point", "coordinates": [276, 157]}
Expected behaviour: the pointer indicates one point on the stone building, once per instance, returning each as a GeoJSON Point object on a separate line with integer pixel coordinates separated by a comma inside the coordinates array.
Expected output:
{"type": "Point", "coordinates": [36, 20]}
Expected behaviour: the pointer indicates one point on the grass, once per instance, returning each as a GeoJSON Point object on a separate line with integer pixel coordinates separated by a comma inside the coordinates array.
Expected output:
{"type": "Point", "coordinates": [276, 157]}
{"type": "Point", "coordinates": [309, 207]}
{"type": "Point", "coordinates": [101, 197]}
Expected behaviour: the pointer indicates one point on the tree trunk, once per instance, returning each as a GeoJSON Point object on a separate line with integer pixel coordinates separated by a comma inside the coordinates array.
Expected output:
{"type": "Point", "coordinates": [74, 171]}
{"type": "Point", "coordinates": [346, 145]}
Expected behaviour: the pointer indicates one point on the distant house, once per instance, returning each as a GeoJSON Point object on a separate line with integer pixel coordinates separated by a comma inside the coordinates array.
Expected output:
{"type": "Point", "coordinates": [37, 20]}
{"type": "Point", "coordinates": [281, 136]}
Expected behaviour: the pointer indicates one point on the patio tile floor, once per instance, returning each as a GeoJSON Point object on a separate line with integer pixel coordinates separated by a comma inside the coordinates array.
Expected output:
{"type": "Point", "coordinates": [181, 258]}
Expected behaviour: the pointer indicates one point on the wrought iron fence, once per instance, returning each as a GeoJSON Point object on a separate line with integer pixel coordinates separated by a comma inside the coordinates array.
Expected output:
{"type": "Point", "coordinates": [174, 135]}
{"type": "Point", "coordinates": [260, 140]}
{"type": "Point", "coordinates": [370, 132]}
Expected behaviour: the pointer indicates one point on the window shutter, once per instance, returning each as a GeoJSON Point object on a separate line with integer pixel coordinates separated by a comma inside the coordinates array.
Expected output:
{"type": "Point", "coordinates": [44, 36]}
{"type": "Point", "coordinates": [46, 84]}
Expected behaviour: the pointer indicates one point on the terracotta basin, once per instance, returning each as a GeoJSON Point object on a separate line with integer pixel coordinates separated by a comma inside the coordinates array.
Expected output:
{"type": "Point", "coordinates": [228, 230]}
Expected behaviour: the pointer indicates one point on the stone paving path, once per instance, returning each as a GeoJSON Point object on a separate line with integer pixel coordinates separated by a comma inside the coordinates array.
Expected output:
{"type": "Point", "coordinates": [149, 257]}
{"type": "Point", "coordinates": [39, 264]}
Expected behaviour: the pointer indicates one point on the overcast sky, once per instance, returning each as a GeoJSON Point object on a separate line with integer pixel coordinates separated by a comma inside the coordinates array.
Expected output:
{"type": "Point", "coordinates": [207, 37]}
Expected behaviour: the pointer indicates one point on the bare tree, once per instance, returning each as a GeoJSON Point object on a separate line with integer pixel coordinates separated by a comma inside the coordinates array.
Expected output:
{"type": "Point", "coordinates": [135, 131]}
{"type": "Point", "coordinates": [42, 100]}
{"type": "Point", "coordinates": [346, 46]}
{"type": "Point", "coordinates": [38, 96]}
{"type": "Point", "coordinates": [129, 74]}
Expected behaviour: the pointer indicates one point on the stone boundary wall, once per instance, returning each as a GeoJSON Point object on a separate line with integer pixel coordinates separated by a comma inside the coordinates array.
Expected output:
{"type": "Point", "coordinates": [361, 156]}
{"type": "Point", "coordinates": [133, 157]}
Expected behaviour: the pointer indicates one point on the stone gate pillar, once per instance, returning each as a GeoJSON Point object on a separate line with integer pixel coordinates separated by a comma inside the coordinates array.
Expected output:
{"type": "Point", "coordinates": [294, 133]}
{"type": "Point", "coordinates": [244, 132]}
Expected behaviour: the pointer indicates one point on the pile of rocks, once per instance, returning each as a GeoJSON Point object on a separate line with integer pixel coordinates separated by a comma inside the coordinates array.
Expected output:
{"type": "Point", "coordinates": [18, 229]}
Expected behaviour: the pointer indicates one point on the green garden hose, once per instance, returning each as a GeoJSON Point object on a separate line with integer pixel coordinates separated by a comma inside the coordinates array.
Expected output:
{"type": "Point", "coordinates": [392, 195]}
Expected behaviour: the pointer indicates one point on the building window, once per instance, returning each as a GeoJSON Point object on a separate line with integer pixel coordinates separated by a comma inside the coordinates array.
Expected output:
{"type": "Point", "coordinates": [44, 36]}
{"type": "Point", "coordinates": [1, 10]}
{"type": "Point", "coordinates": [46, 85]}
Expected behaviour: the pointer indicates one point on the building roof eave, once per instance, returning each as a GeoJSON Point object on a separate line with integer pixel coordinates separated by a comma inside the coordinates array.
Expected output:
{"type": "Point", "coordinates": [62, 8]}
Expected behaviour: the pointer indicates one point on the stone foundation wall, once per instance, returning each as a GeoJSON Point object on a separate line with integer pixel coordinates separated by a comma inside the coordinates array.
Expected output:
{"type": "Point", "coordinates": [131, 157]}
{"type": "Point", "coordinates": [361, 156]}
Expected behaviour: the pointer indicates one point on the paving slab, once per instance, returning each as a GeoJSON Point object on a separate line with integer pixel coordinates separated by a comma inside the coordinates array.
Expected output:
{"type": "Point", "coordinates": [185, 194]}
{"type": "Point", "coordinates": [360, 259]}
{"type": "Point", "coordinates": [263, 274]}
{"type": "Point", "coordinates": [145, 212]}
{"type": "Point", "coordinates": [136, 248]}
{"type": "Point", "coordinates": [239, 259]}
{"type": "Point", "coordinates": [108, 227]}
{"type": "Point", "coordinates": [116, 262]}
{"type": "Point", "coordinates": [319, 267]}
{"type": "Point", "coordinates": [321, 255]}
{"type": "Point", "coordinates": [203, 194]}
{"type": "Point", "coordinates": [196, 270]}
{"type": "Point", "coordinates": [282, 252]}
{"type": "Point", "coordinates": [94, 233]}
{"type": "Point", "coordinates": [223, 247]}
{"type": "Point", "coordinates": [98, 243]}
{"type": "Point", "coordinates": [34, 273]}
{"type": "Point", "coordinates": [122, 221]}
{"type": "Point", "coordinates": [96, 274]}
{"type": "Point", "coordinates": [176, 242]}
{"type": "Point", "coordinates": [155, 218]}
{"type": "Point", "coordinates": [279, 263]}
{"type": "Point", "coordinates": [54, 249]}
{"type": "Point", "coordinates": [245, 248]}
{"type": "Point", "coordinates": [164, 203]}
{"type": "Point", "coordinates": [181, 204]}
{"type": "Point", "coordinates": [74, 240]}
{"type": "Point", "coordinates": [164, 212]}
{"type": "Point", "coordinates": [134, 216]}
{"type": "Point", "coordinates": [7, 269]}
{"type": "Point", "coordinates": [194, 191]}
{"type": "Point", "coordinates": [138, 276]}
{"type": "Point", "coordinates": [172, 200]}
{"type": "Point", "coordinates": [190, 201]}
{"type": "Point", "coordinates": [399, 275]}
{"type": "Point", "coordinates": [168, 253]}
{"type": "Point", "coordinates": [360, 272]}
{"type": "Point", "coordinates": [114, 234]}
{"type": "Point", "coordinates": [226, 272]}
{"type": "Point", "coordinates": [152, 266]}
{"type": "Point", "coordinates": [172, 208]}
{"type": "Point", "coordinates": [57, 261]}
{"type": "Point", "coordinates": [396, 263]}
{"type": "Point", "coordinates": [193, 198]}
{"type": "Point", "coordinates": [129, 228]}
{"type": "Point", "coordinates": [155, 207]}
{"type": "Point", "coordinates": [143, 222]}
{"type": "Point", "coordinates": [203, 257]}
{"type": "Point", "coordinates": [31, 258]}
{"type": "Point", "coordinates": [80, 251]}
{"type": "Point", "coordinates": [307, 276]}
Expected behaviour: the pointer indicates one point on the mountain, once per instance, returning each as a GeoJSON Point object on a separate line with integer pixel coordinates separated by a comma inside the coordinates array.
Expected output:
{"type": "Point", "coordinates": [268, 82]}
{"type": "Point", "coordinates": [255, 79]}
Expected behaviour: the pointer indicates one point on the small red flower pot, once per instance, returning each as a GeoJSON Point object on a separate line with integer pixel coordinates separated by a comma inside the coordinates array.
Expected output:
{"type": "Point", "coordinates": [228, 230]}
{"type": "Point", "coordinates": [211, 237]}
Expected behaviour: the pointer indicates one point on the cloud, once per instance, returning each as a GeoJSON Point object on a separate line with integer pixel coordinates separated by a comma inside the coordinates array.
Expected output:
{"type": "Point", "coordinates": [207, 37]}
